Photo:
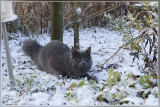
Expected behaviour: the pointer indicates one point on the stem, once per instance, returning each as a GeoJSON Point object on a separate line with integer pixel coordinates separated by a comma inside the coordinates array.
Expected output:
{"type": "Point", "coordinates": [101, 66]}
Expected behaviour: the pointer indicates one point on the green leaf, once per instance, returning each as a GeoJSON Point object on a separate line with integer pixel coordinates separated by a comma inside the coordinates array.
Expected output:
{"type": "Point", "coordinates": [135, 48]}
{"type": "Point", "coordinates": [100, 98]}
{"type": "Point", "coordinates": [13, 67]}
{"type": "Point", "coordinates": [113, 78]}
{"type": "Point", "coordinates": [76, 101]}
{"type": "Point", "coordinates": [125, 101]}
{"type": "Point", "coordinates": [113, 96]}
{"type": "Point", "coordinates": [72, 86]}
{"type": "Point", "coordinates": [154, 75]}
{"type": "Point", "coordinates": [118, 76]}
{"type": "Point", "coordinates": [146, 86]}
{"type": "Point", "coordinates": [81, 84]}
{"type": "Point", "coordinates": [68, 94]}
{"type": "Point", "coordinates": [141, 80]}
{"type": "Point", "coordinates": [34, 76]}
{"type": "Point", "coordinates": [144, 79]}
{"type": "Point", "coordinates": [68, 98]}
{"type": "Point", "coordinates": [19, 82]}
{"type": "Point", "coordinates": [91, 82]}
{"type": "Point", "coordinates": [129, 75]}
{"type": "Point", "coordinates": [58, 83]}
{"type": "Point", "coordinates": [156, 95]}
{"type": "Point", "coordinates": [132, 85]}
{"type": "Point", "coordinates": [120, 95]}
{"type": "Point", "coordinates": [110, 71]}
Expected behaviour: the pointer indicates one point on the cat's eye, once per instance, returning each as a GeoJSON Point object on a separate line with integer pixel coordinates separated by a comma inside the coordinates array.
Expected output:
{"type": "Point", "coordinates": [78, 59]}
{"type": "Point", "coordinates": [86, 59]}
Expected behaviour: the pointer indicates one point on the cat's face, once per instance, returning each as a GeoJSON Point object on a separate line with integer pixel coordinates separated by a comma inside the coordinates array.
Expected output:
{"type": "Point", "coordinates": [81, 61]}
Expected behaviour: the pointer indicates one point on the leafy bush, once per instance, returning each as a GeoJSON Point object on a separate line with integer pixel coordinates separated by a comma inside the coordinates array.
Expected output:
{"type": "Point", "coordinates": [139, 36]}
{"type": "Point", "coordinates": [113, 78]}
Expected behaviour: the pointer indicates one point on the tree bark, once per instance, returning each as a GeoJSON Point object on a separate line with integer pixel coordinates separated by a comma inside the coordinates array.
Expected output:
{"type": "Point", "coordinates": [76, 26]}
{"type": "Point", "coordinates": [57, 21]}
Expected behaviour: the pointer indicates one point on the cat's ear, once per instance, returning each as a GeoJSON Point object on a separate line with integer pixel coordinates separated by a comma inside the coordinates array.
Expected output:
{"type": "Point", "coordinates": [74, 51]}
{"type": "Point", "coordinates": [88, 50]}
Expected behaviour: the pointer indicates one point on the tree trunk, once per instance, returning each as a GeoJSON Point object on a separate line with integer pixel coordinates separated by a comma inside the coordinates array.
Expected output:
{"type": "Point", "coordinates": [57, 21]}
{"type": "Point", "coordinates": [76, 25]}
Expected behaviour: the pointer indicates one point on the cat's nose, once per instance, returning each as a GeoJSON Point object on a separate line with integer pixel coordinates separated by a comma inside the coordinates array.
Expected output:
{"type": "Point", "coordinates": [83, 64]}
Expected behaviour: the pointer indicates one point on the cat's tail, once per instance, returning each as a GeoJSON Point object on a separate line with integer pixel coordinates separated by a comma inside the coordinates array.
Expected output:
{"type": "Point", "coordinates": [31, 48]}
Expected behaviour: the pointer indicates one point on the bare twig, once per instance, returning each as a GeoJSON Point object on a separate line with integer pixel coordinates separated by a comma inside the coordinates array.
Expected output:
{"type": "Point", "coordinates": [101, 66]}
{"type": "Point", "coordinates": [102, 11]}
{"type": "Point", "coordinates": [106, 10]}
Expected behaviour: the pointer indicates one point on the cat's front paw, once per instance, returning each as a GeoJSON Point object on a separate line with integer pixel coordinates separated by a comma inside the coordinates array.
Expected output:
{"type": "Point", "coordinates": [92, 78]}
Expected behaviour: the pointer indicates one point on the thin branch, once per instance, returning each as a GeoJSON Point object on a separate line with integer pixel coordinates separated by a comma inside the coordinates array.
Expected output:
{"type": "Point", "coordinates": [101, 66]}
{"type": "Point", "coordinates": [102, 11]}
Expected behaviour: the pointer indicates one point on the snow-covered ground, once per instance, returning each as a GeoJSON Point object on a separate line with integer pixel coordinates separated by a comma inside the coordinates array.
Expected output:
{"type": "Point", "coordinates": [35, 87]}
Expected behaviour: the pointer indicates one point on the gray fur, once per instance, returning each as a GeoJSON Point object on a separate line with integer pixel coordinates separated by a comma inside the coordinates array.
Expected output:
{"type": "Point", "coordinates": [31, 48]}
{"type": "Point", "coordinates": [56, 58]}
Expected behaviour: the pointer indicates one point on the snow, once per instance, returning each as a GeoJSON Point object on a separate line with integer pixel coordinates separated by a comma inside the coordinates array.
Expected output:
{"type": "Point", "coordinates": [35, 87]}
{"type": "Point", "coordinates": [137, 5]}
{"type": "Point", "coordinates": [140, 4]}
{"type": "Point", "coordinates": [78, 11]}
{"type": "Point", "coordinates": [40, 98]}
{"type": "Point", "coordinates": [153, 4]}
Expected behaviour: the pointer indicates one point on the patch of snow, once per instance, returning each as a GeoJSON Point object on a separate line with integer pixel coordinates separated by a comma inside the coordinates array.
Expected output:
{"type": "Point", "coordinates": [153, 4]}
{"type": "Point", "coordinates": [140, 4]}
{"type": "Point", "coordinates": [78, 10]}
{"type": "Point", "coordinates": [35, 87]}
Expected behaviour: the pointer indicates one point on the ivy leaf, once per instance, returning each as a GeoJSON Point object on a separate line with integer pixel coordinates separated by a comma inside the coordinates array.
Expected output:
{"type": "Point", "coordinates": [13, 67]}
{"type": "Point", "coordinates": [154, 75]}
{"type": "Point", "coordinates": [91, 82]}
{"type": "Point", "coordinates": [113, 96]}
{"type": "Point", "coordinates": [156, 95]}
{"type": "Point", "coordinates": [58, 83]}
{"type": "Point", "coordinates": [76, 101]}
{"type": "Point", "coordinates": [110, 71]}
{"type": "Point", "coordinates": [34, 76]}
{"type": "Point", "coordinates": [132, 85]}
{"type": "Point", "coordinates": [117, 76]}
{"type": "Point", "coordinates": [81, 84]}
{"type": "Point", "coordinates": [68, 98]}
{"type": "Point", "coordinates": [100, 98]}
{"type": "Point", "coordinates": [125, 101]}
{"type": "Point", "coordinates": [68, 94]}
{"type": "Point", "coordinates": [146, 86]}
{"type": "Point", "coordinates": [120, 95]}
{"type": "Point", "coordinates": [145, 79]}
{"type": "Point", "coordinates": [72, 86]}
{"type": "Point", "coordinates": [113, 78]}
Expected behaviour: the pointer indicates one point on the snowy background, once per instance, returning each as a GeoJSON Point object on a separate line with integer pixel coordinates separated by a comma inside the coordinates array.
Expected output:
{"type": "Point", "coordinates": [35, 87]}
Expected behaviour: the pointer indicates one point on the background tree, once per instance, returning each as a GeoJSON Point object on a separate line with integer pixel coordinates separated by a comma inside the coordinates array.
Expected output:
{"type": "Point", "coordinates": [77, 18]}
{"type": "Point", "coordinates": [57, 21]}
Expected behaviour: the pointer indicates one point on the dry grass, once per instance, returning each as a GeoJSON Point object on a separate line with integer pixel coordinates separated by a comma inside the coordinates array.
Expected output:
{"type": "Point", "coordinates": [34, 17]}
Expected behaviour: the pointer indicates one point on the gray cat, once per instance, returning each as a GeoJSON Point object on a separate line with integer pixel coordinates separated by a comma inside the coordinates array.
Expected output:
{"type": "Point", "coordinates": [58, 59]}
